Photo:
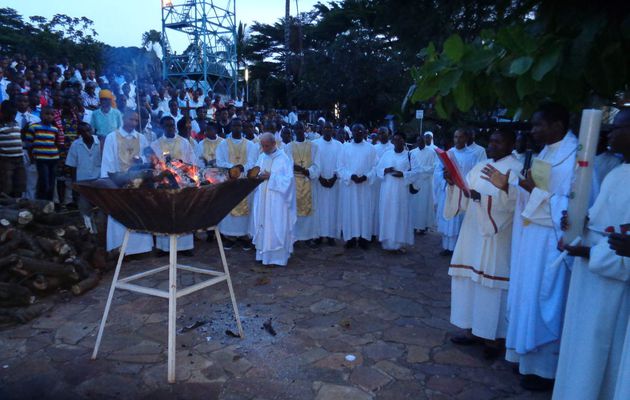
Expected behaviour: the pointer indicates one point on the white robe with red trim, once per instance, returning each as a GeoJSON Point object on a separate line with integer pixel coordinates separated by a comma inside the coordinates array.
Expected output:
{"type": "Point", "coordinates": [480, 266]}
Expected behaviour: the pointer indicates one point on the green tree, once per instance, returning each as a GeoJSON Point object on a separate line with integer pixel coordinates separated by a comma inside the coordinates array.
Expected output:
{"type": "Point", "coordinates": [545, 56]}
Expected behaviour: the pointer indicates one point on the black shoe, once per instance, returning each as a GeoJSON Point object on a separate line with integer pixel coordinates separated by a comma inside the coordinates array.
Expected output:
{"type": "Point", "coordinates": [331, 242]}
{"type": "Point", "coordinates": [246, 243]}
{"type": "Point", "coordinates": [317, 241]}
{"type": "Point", "coordinates": [536, 383]}
{"type": "Point", "coordinates": [466, 340]}
{"type": "Point", "coordinates": [228, 244]}
{"type": "Point", "coordinates": [187, 253]}
{"type": "Point", "coordinates": [364, 244]}
{"type": "Point", "coordinates": [350, 244]}
{"type": "Point", "coordinates": [209, 236]}
{"type": "Point", "coordinates": [446, 253]}
{"type": "Point", "coordinates": [421, 232]}
{"type": "Point", "coordinates": [311, 244]}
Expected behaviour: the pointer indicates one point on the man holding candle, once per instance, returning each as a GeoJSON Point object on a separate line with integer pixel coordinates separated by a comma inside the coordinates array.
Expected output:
{"type": "Point", "coordinates": [598, 304]}
{"type": "Point", "coordinates": [537, 292]}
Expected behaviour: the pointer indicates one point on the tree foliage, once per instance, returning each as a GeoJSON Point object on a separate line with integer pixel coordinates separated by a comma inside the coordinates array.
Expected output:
{"type": "Point", "coordinates": [60, 37]}
{"type": "Point", "coordinates": [547, 55]}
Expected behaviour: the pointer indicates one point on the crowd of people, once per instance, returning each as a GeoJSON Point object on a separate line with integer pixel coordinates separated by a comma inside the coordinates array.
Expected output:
{"type": "Point", "coordinates": [330, 181]}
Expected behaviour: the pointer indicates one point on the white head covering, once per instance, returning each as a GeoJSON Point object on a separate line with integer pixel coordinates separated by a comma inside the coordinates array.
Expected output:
{"type": "Point", "coordinates": [429, 133]}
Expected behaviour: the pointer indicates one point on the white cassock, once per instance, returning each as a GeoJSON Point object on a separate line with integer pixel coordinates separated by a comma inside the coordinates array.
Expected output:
{"type": "Point", "coordinates": [480, 267]}
{"type": "Point", "coordinates": [356, 199]}
{"type": "Point", "coordinates": [274, 212]}
{"type": "Point", "coordinates": [306, 226]}
{"type": "Point", "coordinates": [422, 206]}
{"type": "Point", "coordinates": [138, 242]}
{"type": "Point", "coordinates": [479, 151]}
{"type": "Point", "coordinates": [381, 148]}
{"type": "Point", "coordinates": [236, 225]}
{"type": "Point", "coordinates": [395, 225]}
{"type": "Point", "coordinates": [449, 227]}
{"type": "Point", "coordinates": [603, 164]}
{"type": "Point", "coordinates": [179, 149]}
{"type": "Point", "coordinates": [622, 390]}
{"type": "Point", "coordinates": [537, 294]}
{"type": "Point", "coordinates": [327, 210]}
{"type": "Point", "coordinates": [598, 303]}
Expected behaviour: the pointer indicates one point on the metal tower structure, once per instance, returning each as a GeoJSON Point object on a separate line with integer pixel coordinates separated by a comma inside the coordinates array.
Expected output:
{"type": "Point", "coordinates": [210, 57]}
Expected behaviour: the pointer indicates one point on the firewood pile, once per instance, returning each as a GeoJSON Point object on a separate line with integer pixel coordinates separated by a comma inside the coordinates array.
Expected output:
{"type": "Point", "coordinates": [41, 253]}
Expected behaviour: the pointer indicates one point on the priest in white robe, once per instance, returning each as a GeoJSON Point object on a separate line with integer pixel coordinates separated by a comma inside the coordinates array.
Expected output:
{"type": "Point", "coordinates": [274, 207]}
{"type": "Point", "coordinates": [175, 147]}
{"type": "Point", "coordinates": [422, 209]}
{"type": "Point", "coordinates": [236, 151]}
{"type": "Point", "coordinates": [598, 303]}
{"type": "Point", "coordinates": [305, 158]}
{"type": "Point", "coordinates": [479, 151]}
{"type": "Point", "coordinates": [327, 185]}
{"type": "Point", "coordinates": [465, 160]}
{"type": "Point", "coordinates": [395, 171]}
{"type": "Point", "coordinates": [480, 267]}
{"type": "Point", "coordinates": [121, 147]}
{"type": "Point", "coordinates": [381, 146]}
{"type": "Point", "coordinates": [537, 294]}
{"type": "Point", "coordinates": [356, 170]}
{"type": "Point", "coordinates": [206, 149]}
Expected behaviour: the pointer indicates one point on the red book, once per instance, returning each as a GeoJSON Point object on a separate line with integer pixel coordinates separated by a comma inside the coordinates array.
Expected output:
{"type": "Point", "coordinates": [451, 166]}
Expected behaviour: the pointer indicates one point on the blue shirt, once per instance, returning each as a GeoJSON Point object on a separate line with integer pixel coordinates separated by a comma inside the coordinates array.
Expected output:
{"type": "Point", "coordinates": [86, 161]}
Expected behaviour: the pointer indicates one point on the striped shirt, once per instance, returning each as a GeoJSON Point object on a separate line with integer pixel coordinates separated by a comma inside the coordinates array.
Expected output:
{"type": "Point", "coordinates": [43, 141]}
{"type": "Point", "coordinates": [10, 140]}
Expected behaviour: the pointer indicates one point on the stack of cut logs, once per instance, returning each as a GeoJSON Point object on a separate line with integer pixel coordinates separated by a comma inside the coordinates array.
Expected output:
{"type": "Point", "coordinates": [42, 251]}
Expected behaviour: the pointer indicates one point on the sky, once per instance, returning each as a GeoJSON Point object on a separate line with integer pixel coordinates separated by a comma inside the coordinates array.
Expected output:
{"type": "Point", "coordinates": [122, 22]}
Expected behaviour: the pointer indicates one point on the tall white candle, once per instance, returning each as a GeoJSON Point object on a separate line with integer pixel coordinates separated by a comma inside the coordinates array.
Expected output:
{"type": "Point", "coordinates": [583, 177]}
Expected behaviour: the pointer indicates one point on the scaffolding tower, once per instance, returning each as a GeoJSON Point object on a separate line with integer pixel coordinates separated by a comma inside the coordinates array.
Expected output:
{"type": "Point", "coordinates": [210, 57]}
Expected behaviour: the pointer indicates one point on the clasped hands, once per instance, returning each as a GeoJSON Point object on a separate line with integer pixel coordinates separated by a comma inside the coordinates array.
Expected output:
{"type": "Point", "coordinates": [393, 172]}
{"type": "Point", "coordinates": [328, 183]}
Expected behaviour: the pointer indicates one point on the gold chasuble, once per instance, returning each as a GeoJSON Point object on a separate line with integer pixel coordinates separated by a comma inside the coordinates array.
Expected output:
{"type": "Point", "coordinates": [172, 147]}
{"type": "Point", "coordinates": [128, 148]}
{"type": "Point", "coordinates": [210, 149]}
{"type": "Point", "coordinates": [301, 153]}
{"type": "Point", "coordinates": [238, 155]}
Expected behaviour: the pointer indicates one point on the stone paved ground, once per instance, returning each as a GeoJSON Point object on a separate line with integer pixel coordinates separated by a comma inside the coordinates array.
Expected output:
{"type": "Point", "coordinates": [389, 311]}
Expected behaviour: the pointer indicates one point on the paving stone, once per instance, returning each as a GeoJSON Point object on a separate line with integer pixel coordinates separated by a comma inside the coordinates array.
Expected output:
{"type": "Point", "coordinates": [381, 350]}
{"type": "Point", "coordinates": [338, 361]}
{"type": "Point", "coordinates": [414, 335]}
{"type": "Point", "coordinates": [395, 370]}
{"type": "Point", "coordinates": [418, 354]}
{"type": "Point", "coordinates": [402, 390]}
{"type": "Point", "coordinates": [327, 306]}
{"type": "Point", "coordinates": [454, 356]}
{"type": "Point", "coordinates": [337, 392]}
{"type": "Point", "coordinates": [369, 379]}
{"type": "Point", "coordinates": [445, 384]}
{"type": "Point", "coordinates": [73, 332]}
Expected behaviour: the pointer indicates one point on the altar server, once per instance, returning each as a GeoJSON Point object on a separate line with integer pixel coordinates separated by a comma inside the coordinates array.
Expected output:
{"type": "Point", "coordinates": [396, 173]}
{"type": "Point", "coordinates": [356, 171]}
{"type": "Point", "coordinates": [422, 212]}
{"type": "Point", "coordinates": [327, 185]}
{"type": "Point", "coordinates": [480, 267]}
